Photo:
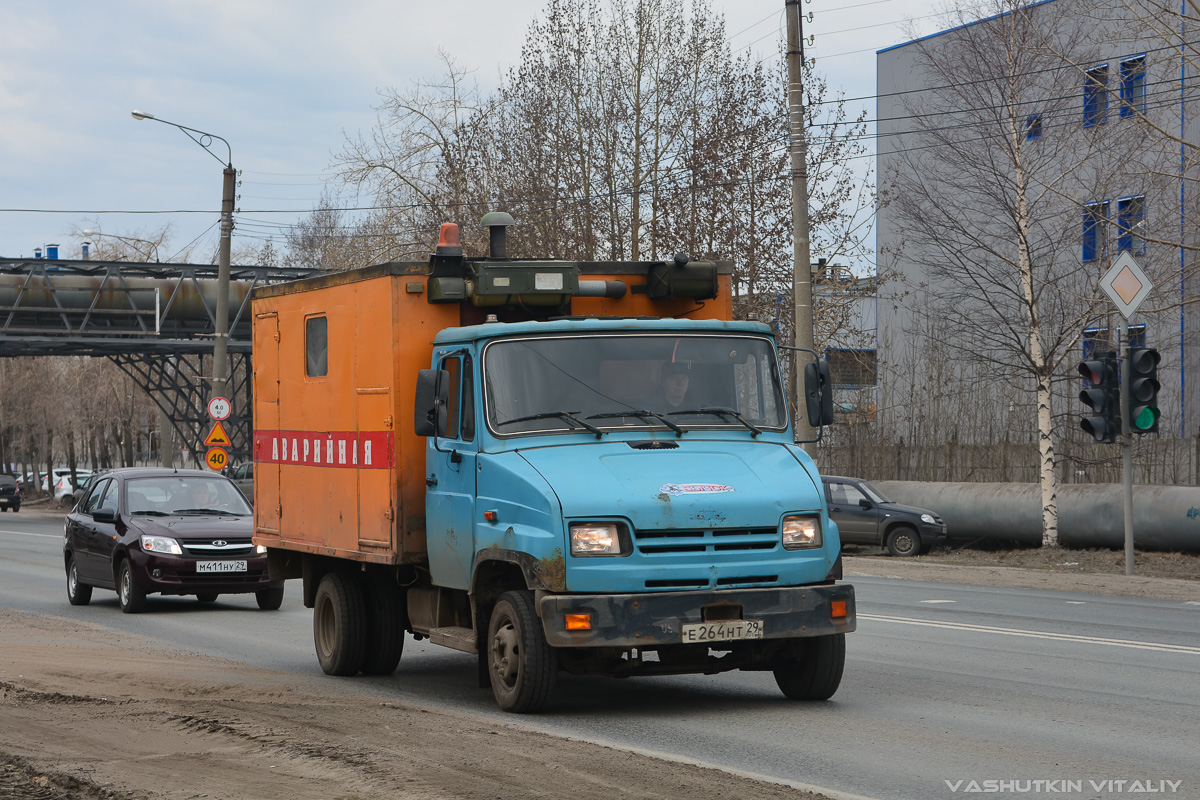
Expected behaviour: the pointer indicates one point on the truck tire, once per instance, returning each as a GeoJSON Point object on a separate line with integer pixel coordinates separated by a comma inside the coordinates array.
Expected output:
{"type": "Point", "coordinates": [523, 668]}
{"type": "Point", "coordinates": [339, 624]}
{"type": "Point", "coordinates": [904, 541]}
{"type": "Point", "coordinates": [818, 672]}
{"type": "Point", "coordinates": [387, 619]}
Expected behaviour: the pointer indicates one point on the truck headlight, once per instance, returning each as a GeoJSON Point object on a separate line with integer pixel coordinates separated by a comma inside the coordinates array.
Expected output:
{"type": "Point", "coordinates": [596, 539]}
{"type": "Point", "coordinates": [161, 544]}
{"type": "Point", "coordinates": [801, 532]}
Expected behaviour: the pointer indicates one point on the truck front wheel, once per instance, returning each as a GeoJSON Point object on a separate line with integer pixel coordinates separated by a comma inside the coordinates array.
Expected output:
{"type": "Point", "coordinates": [522, 666]}
{"type": "Point", "coordinates": [339, 624]}
{"type": "Point", "coordinates": [816, 674]}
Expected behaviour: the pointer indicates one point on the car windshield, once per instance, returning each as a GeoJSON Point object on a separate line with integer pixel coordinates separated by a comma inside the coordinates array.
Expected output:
{"type": "Point", "coordinates": [670, 382]}
{"type": "Point", "coordinates": [873, 493]}
{"type": "Point", "coordinates": [183, 494]}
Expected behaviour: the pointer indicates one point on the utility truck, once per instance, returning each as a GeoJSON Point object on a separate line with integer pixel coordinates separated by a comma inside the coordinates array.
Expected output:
{"type": "Point", "coordinates": [493, 454]}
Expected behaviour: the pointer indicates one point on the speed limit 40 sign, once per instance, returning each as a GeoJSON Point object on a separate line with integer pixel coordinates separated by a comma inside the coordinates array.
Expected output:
{"type": "Point", "coordinates": [217, 459]}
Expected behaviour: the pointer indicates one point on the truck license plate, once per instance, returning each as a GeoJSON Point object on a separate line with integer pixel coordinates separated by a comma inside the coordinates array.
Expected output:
{"type": "Point", "coordinates": [220, 566]}
{"type": "Point", "coordinates": [724, 631]}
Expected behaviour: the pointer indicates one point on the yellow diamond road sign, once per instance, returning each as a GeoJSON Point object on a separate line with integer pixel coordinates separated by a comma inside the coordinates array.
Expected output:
{"type": "Point", "coordinates": [1126, 284]}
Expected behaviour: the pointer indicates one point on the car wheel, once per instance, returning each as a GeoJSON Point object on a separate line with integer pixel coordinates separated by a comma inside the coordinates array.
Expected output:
{"type": "Point", "coordinates": [523, 668]}
{"type": "Point", "coordinates": [904, 541]}
{"type": "Point", "coordinates": [132, 597]}
{"type": "Point", "coordinates": [207, 597]}
{"type": "Point", "coordinates": [817, 673]}
{"type": "Point", "coordinates": [78, 594]}
{"type": "Point", "coordinates": [387, 618]}
{"type": "Point", "coordinates": [339, 624]}
{"type": "Point", "coordinates": [269, 599]}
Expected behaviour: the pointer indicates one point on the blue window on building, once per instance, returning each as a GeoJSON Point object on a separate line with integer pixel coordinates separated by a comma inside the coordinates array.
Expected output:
{"type": "Point", "coordinates": [1095, 215]}
{"type": "Point", "coordinates": [1033, 127]}
{"type": "Point", "coordinates": [1131, 218]}
{"type": "Point", "coordinates": [1133, 86]}
{"type": "Point", "coordinates": [1095, 96]}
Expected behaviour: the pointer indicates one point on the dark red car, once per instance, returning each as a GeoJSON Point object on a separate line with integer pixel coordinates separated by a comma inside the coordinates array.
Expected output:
{"type": "Point", "coordinates": [182, 532]}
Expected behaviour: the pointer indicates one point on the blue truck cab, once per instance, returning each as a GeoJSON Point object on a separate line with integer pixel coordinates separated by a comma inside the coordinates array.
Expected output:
{"type": "Point", "coordinates": [642, 533]}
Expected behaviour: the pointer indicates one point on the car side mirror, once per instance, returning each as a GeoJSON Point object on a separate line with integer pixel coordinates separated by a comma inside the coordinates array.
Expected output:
{"type": "Point", "coordinates": [818, 393]}
{"type": "Point", "coordinates": [104, 515]}
{"type": "Point", "coordinates": [432, 400]}
{"type": "Point", "coordinates": [865, 504]}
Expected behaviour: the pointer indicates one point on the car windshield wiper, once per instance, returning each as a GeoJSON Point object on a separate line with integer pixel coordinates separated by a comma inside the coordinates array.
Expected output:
{"type": "Point", "coordinates": [721, 411]}
{"type": "Point", "coordinates": [205, 511]}
{"type": "Point", "coordinates": [149, 514]}
{"type": "Point", "coordinates": [567, 415]}
{"type": "Point", "coordinates": [643, 414]}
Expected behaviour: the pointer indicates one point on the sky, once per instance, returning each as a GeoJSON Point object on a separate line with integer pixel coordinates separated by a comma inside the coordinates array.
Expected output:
{"type": "Point", "coordinates": [285, 82]}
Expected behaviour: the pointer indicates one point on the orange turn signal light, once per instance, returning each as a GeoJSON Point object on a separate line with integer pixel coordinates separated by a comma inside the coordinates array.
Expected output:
{"type": "Point", "coordinates": [491, 516]}
{"type": "Point", "coordinates": [837, 609]}
{"type": "Point", "coordinates": [579, 622]}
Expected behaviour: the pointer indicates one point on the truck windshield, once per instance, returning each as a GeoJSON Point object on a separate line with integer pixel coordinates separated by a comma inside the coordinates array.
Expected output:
{"type": "Point", "coordinates": [669, 382]}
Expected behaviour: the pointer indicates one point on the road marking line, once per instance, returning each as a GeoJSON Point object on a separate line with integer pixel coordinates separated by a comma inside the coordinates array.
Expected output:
{"type": "Point", "coordinates": [26, 533]}
{"type": "Point", "coordinates": [1076, 602]}
{"type": "Point", "coordinates": [1060, 637]}
{"type": "Point", "coordinates": [939, 601]}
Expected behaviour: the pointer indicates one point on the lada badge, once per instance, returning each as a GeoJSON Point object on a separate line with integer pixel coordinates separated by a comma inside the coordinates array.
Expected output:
{"type": "Point", "coordinates": [676, 489]}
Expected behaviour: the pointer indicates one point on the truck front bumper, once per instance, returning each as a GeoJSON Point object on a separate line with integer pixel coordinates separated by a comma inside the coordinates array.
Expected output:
{"type": "Point", "coordinates": [646, 620]}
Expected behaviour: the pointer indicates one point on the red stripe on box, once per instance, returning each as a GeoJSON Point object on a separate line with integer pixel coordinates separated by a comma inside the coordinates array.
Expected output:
{"type": "Point", "coordinates": [339, 449]}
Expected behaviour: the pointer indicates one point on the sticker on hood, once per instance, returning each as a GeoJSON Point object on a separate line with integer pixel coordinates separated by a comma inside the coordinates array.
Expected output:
{"type": "Point", "coordinates": [676, 489]}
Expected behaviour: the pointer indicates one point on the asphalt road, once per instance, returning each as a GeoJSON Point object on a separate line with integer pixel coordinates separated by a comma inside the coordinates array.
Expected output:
{"type": "Point", "coordinates": [945, 684]}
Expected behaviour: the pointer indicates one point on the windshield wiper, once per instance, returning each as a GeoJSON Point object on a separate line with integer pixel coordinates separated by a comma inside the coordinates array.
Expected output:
{"type": "Point", "coordinates": [205, 511]}
{"type": "Point", "coordinates": [149, 514]}
{"type": "Point", "coordinates": [721, 411]}
{"type": "Point", "coordinates": [643, 414]}
{"type": "Point", "coordinates": [567, 415]}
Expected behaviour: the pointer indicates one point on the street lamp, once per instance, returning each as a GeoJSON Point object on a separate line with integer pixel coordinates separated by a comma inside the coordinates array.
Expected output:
{"type": "Point", "coordinates": [221, 344]}
{"type": "Point", "coordinates": [98, 234]}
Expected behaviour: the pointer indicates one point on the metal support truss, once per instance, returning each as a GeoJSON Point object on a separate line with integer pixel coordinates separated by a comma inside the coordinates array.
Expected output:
{"type": "Point", "coordinates": [154, 321]}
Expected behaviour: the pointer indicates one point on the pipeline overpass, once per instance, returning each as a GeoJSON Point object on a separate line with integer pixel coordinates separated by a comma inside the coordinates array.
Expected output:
{"type": "Point", "coordinates": [154, 321]}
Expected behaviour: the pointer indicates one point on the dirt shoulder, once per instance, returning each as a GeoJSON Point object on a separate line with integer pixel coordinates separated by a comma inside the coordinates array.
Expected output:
{"type": "Point", "coordinates": [89, 714]}
{"type": "Point", "coordinates": [1168, 576]}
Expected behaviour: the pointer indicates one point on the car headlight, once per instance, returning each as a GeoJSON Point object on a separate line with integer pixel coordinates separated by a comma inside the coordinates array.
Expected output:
{"type": "Point", "coordinates": [260, 548]}
{"type": "Point", "coordinates": [161, 544]}
{"type": "Point", "coordinates": [928, 519]}
{"type": "Point", "coordinates": [596, 539]}
{"type": "Point", "coordinates": [801, 532]}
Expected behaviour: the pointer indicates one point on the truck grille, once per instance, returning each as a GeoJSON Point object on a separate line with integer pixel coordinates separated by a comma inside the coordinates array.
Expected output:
{"type": "Point", "coordinates": [715, 540]}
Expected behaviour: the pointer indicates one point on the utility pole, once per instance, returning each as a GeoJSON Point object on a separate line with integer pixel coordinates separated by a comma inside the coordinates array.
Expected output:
{"type": "Point", "coordinates": [221, 345]}
{"type": "Point", "coordinates": [802, 318]}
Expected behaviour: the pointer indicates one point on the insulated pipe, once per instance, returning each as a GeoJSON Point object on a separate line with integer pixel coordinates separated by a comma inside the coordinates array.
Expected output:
{"type": "Point", "coordinates": [187, 300]}
{"type": "Point", "coordinates": [613, 289]}
{"type": "Point", "coordinates": [1089, 514]}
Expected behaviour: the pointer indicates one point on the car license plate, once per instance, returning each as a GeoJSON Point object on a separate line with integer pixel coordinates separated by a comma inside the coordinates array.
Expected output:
{"type": "Point", "coordinates": [724, 631]}
{"type": "Point", "coordinates": [220, 566]}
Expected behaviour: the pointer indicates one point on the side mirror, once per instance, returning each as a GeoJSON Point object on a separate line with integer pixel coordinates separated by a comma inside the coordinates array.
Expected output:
{"type": "Point", "coordinates": [818, 393]}
{"type": "Point", "coordinates": [433, 398]}
{"type": "Point", "coordinates": [104, 515]}
{"type": "Point", "coordinates": [865, 504]}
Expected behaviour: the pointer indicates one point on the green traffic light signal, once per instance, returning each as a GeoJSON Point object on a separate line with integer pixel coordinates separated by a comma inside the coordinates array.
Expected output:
{"type": "Point", "coordinates": [1143, 389]}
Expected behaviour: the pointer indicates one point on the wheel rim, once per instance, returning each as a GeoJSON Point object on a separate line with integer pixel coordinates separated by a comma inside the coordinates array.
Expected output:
{"type": "Point", "coordinates": [506, 654]}
{"type": "Point", "coordinates": [905, 543]}
{"type": "Point", "coordinates": [72, 579]}
{"type": "Point", "coordinates": [125, 587]}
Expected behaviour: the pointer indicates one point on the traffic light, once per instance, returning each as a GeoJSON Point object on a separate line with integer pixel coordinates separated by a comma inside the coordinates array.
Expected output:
{"type": "Point", "coordinates": [1143, 390]}
{"type": "Point", "coordinates": [1102, 395]}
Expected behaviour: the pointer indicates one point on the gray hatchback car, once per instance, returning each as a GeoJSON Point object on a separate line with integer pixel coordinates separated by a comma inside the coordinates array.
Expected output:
{"type": "Point", "coordinates": [865, 516]}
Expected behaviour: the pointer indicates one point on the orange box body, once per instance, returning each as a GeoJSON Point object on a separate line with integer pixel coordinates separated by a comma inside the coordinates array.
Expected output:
{"type": "Point", "coordinates": [338, 469]}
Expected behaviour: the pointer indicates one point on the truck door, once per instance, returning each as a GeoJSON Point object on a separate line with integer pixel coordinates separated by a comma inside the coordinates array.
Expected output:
{"type": "Point", "coordinates": [450, 460]}
{"type": "Point", "coordinates": [266, 418]}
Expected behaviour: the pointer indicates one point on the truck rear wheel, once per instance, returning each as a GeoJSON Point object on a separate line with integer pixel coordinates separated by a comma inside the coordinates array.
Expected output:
{"type": "Point", "coordinates": [339, 624]}
{"type": "Point", "coordinates": [387, 618]}
{"type": "Point", "coordinates": [817, 673]}
{"type": "Point", "coordinates": [523, 668]}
